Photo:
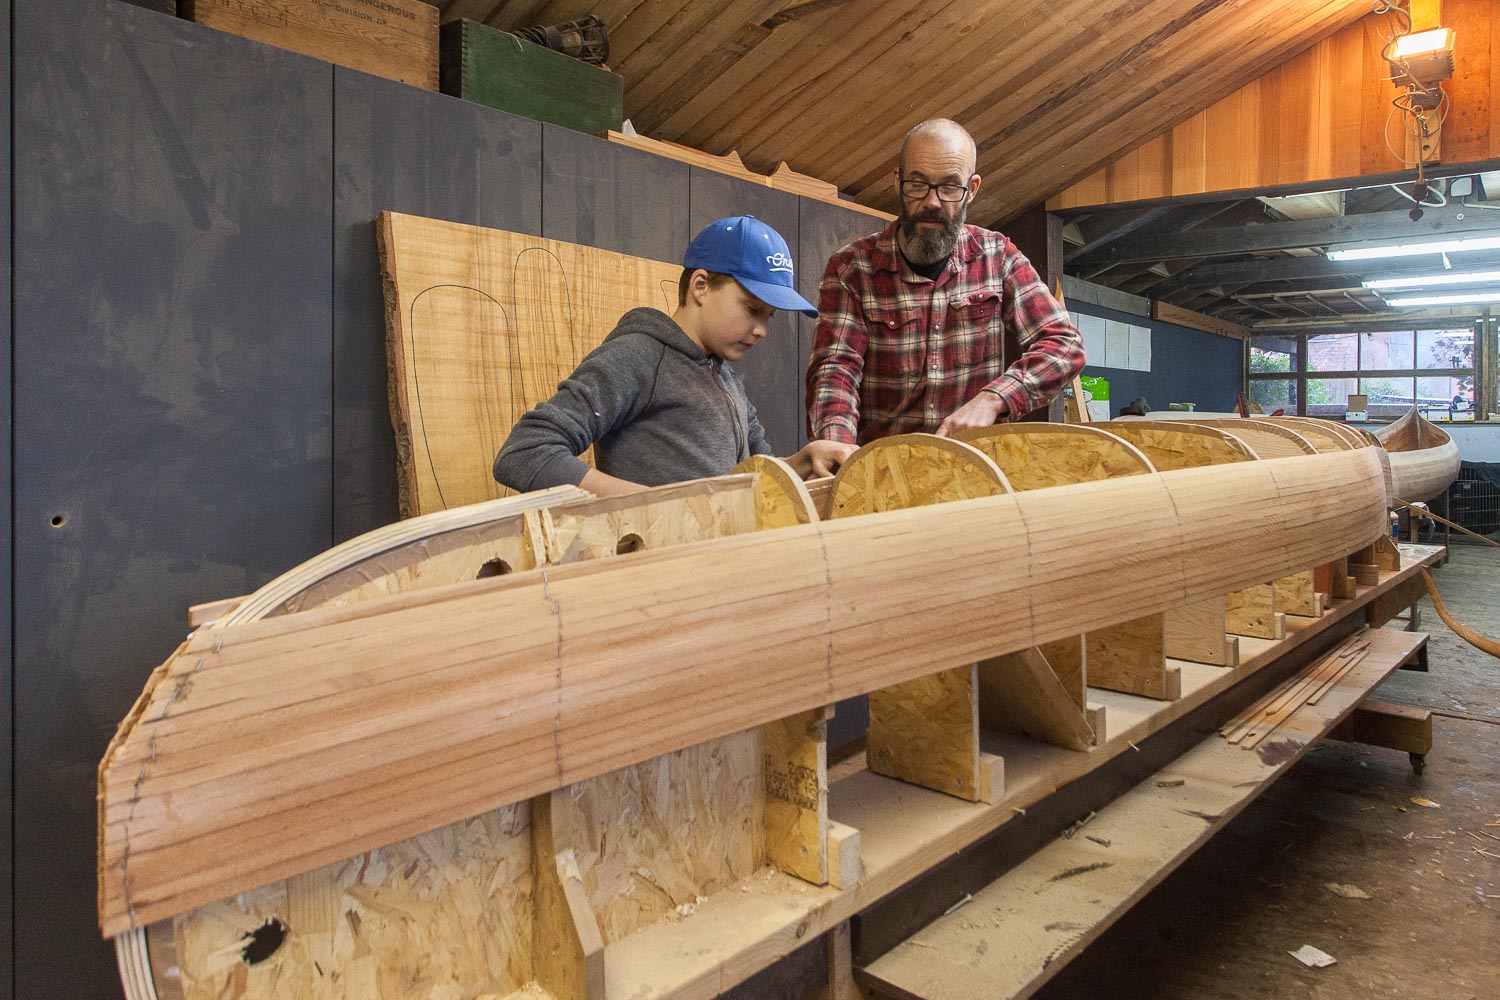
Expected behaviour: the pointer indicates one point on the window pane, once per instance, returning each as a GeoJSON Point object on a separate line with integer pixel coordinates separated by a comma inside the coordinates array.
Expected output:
{"type": "Point", "coordinates": [1329, 397]}
{"type": "Point", "coordinates": [1384, 351]}
{"type": "Point", "coordinates": [1446, 397]}
{"type": "Point", "coordinates": [1273, 354]}
{"type": "Point", "coordinates": [1389, 397]}
{"type": "Point", "coordinates": [1445, 348]}
{"type": "Point", "coordinates": [1332, 352]}
{"type": "Point", "coordinates": [1274, 394]}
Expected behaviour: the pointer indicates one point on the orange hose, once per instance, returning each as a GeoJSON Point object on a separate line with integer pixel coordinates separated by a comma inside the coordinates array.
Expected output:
{"type": "Point", "coordinates": [1465, 633]}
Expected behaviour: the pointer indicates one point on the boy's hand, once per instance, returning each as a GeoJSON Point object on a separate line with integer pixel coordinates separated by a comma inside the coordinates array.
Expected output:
{"type": "Point", "coordinates": [820, 458]}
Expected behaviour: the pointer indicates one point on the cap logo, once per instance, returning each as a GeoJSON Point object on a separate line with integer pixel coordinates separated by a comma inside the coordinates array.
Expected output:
{"type": "Point", "coordinates": [780, 262]}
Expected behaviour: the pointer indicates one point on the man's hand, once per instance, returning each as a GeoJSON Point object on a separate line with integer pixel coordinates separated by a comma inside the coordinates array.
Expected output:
{"type": "Point", "coordinates": [981, 411]}
{"type": "Point", "coordinates": [820, 458]}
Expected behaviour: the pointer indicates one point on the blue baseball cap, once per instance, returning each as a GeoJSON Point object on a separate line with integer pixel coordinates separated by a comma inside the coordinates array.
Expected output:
{"type": "Point", "coordinates": [752, 253]}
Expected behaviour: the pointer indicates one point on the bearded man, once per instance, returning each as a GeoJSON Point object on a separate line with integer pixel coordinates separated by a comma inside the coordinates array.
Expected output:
{"type": "Point", "coordinates": [912, 321]}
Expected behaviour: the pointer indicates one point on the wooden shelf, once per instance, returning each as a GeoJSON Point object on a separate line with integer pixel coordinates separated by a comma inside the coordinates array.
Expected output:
{"type": "Point", "coordinates": [1052, 905]}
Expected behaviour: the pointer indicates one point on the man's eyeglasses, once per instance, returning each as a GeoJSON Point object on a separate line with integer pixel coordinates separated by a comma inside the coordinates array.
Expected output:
{"type": "Point", "coordinates": [914, 190]}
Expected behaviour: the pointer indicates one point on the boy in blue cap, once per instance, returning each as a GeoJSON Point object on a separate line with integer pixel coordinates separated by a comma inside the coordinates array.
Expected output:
{"type": "Point", "coordinates": [656, 399]}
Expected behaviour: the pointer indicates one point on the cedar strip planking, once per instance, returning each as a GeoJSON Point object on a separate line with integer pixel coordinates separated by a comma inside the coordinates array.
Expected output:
{"type": "Point", "coordinates": [663, 650]}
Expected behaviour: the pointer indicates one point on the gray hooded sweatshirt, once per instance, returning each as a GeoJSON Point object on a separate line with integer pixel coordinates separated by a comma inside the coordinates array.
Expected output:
{"type": "Point", "coordinates": [656, 408]}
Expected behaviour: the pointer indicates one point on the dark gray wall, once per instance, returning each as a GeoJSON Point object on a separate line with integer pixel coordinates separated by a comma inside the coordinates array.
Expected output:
{"type": "Point", "coordinates": [171, 393]}
{"type": "Point", "coordinates": [601, 194]}
{"type": "Point", "coordinates": [1187, 366]}
{"type": "Point", "coordinates": [7, 650]}
{"type": "Point", "coordinates": [197, 362]}
{"type": "Point", "coordinates": [401, 149]}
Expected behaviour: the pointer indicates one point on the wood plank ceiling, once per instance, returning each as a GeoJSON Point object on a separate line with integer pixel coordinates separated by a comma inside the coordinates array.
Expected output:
{"type": "Point", "coordinates": [1050, 90]}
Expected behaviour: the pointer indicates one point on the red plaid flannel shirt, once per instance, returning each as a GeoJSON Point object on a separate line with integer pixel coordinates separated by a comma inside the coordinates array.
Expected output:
{"type": "Point", "coordinates": [895, 353]}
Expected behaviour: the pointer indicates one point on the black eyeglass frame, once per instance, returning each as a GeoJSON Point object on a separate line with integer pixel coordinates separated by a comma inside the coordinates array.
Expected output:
{"type": "Point", "coordinates": [927, 186]}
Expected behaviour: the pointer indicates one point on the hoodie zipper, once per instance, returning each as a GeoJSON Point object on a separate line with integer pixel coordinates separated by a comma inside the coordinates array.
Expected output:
{"type": "Point", "coordinates": [742, 435]}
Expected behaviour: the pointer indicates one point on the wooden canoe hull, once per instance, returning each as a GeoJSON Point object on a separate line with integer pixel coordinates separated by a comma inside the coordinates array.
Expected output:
{"type": "Point", "coordinates": [540, 679]}
{"type": "Point", "coordinates": [1424, 458]}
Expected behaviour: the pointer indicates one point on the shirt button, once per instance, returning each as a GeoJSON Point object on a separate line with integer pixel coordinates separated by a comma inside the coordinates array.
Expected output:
{"type": "Point", "coordinates": [934, 368]}
{"type": "Point", "coordinates": [937, 329]}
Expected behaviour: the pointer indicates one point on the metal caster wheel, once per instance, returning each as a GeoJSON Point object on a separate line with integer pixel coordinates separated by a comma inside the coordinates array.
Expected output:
{"type": "Point", "coordinates": [1418, 762]}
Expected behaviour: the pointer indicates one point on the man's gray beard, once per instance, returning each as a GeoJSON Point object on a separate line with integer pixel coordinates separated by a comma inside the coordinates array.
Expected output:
{"type": "Point", "coordinates": [928, 248]}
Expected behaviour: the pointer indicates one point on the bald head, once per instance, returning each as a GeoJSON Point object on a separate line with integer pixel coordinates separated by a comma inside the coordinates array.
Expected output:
{"type": "Point", "coordinates": [943, 137]}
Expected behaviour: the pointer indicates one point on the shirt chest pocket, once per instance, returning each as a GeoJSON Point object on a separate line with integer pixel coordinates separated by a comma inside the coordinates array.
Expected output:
{"type": "Point", "coordinates": [975, 327]}
{"type": "Point", "coordinates": [896, 346]}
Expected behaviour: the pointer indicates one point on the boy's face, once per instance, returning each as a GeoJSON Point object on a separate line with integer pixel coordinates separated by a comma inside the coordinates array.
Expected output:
{"type": "Point", "coordinates": [732, 321]}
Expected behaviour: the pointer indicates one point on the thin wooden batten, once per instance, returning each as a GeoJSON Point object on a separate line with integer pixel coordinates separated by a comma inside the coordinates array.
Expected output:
{"type": "Point", "coordinates": [391, 717]}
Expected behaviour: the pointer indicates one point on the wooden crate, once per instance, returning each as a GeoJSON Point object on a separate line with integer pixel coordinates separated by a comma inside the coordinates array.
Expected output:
{"type": "Point", "coordinates": [396, 39]}
{"type": "Point", "coordinates": [495, 68]}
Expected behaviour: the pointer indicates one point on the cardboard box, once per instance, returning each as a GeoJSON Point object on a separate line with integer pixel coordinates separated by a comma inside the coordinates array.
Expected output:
{"type": "Point", "coordinates": [498, 69]}
{"type": "Point", "coordinates": [396, 39]}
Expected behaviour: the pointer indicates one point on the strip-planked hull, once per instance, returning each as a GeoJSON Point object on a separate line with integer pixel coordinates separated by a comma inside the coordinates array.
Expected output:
{"type": "Point", "coordinates": [1424, 457]}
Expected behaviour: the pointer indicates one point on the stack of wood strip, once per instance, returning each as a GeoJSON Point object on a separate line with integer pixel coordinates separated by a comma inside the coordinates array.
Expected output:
{"type": "Point", "coordinates": [1261, 719]}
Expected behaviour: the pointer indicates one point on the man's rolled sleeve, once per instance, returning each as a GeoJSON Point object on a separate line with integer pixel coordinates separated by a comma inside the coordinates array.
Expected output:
{"type": "Point", "coordinates": [836, 365]}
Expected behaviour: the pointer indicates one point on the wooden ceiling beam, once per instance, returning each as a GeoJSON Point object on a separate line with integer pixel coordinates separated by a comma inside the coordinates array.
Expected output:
{"type": "Point", "coordinates": [1105, 228]}
{"type": "Point", "coordinates": [1296, 235]}
{"type": "Point", "coordinates": [1175, 219]}
{"type": "Point", "coordinates": [1319, 267]}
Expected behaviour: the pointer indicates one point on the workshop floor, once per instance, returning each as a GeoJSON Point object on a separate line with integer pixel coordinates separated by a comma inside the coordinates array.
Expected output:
{"type": "Point", "coordinates": [1223, 924]}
